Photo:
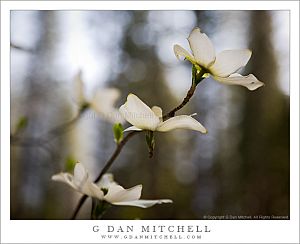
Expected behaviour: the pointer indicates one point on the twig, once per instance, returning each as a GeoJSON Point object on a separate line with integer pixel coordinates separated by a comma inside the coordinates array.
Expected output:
{"type": "Point", "coordinates": [18, 47]}
{"type": "Point", "coordinates": [62, 128]}
{"type": "Point", "coordinates": [48, 136]}
{"type": "Point", "coordinates": [189, 95]}
{"type": "Point", "coordinates": [119, 147]}
{"type": "Point", "coordinates": [105, 168]}
{"type": "Point", "coordinates": [80, 203]}
{"type": "Point", "coordinates": [116, 153]}
{"type": "Point", "coordinates": [197, 77]}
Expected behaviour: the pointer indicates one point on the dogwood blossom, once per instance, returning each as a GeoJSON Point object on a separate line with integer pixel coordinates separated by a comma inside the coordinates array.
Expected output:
{"type": "Point", "coordinates": [80, 181]}
{"type": "Point", "coordinates": [223, 66]}
{"type": "Point", "coordinates": [107, 189]}
{"type": "Point", "coordinates": [117, 195]}
{"type": "Point", "coordinates": [142, 117]}
{"type": "Point", "coordinates": [102, 101]}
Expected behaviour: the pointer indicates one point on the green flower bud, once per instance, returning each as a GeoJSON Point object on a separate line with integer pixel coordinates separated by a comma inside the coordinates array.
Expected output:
{"type": "Point", "coordinates": [22, 124]}
{"type": "Point", "coordinates": [70, 164]}
{"type": "Point", "coordinates": [118, 132]}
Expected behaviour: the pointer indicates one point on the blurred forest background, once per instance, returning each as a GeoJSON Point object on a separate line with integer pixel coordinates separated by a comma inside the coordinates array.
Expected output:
{"type": "Point", "coordinates": [241, 167]}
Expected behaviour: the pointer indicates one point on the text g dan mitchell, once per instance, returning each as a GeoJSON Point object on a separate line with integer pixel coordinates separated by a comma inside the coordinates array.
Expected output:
{"type": "Point", "coordinates": [151, 229]}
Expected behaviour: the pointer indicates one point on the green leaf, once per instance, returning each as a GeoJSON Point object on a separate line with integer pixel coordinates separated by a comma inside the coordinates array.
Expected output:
{"type": "Point", "coordinates": [70, 164]}
{"type": "Point", "coordinates": [22, 124]}
{"type": "Point", "coordinates": [118, 132]}
{"type": "Point", "coordinates": [150, 142]}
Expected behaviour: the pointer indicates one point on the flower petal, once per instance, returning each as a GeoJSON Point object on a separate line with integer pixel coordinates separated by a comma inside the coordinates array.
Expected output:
{"type": "Point", "coordinates": [106, 180]}
{"type": "Point", "coordinates": [103, 103]}
{"type": "Point", "coordinates": [137, 113]}
{"type": "Point", "coordinates": [181, 52]}
{"type": "Point", "coordinates": [117, 193]}
{"type": "Point", "coordinates": [79, 89]}
{"type": "Point", "coordinates": [229, 61]}
{"type": "Point", "coordinates": [157, 110]}
{"type": "Point", "coordinates": [181, 122]}
{"type": "Point", "coordinates": [91, 189]}
{"type": "Point", "coordinates": [86, 187]}
{"type": "Point", "coordinates": [105, 98]}
{"type": "Point", "coordinates": [80, 175]}
{"type": "Point", "coordinates": [202, 48]}
{"type": "Point", "coordinates": [249, 81]}
{"type": "Point", "coordinates": [64, 178]}
{"type": "Point", "coordinates": [143, 203]}
{"type": "Point", "coordinates": [80, 182]}
{"type": "Point", "coordinates": [132, 128]}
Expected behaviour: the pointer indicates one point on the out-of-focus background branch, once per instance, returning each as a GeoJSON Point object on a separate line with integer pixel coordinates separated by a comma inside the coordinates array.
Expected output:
{"type": "Point", "coordinates": [241, 167]}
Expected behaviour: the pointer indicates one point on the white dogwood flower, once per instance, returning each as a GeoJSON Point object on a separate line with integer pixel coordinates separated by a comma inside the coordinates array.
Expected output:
{"type": "Point", "coordinates": [102, 102]}
{"type": "Point", "coordinates": [117, 195]}
{"type": "Point", "coordinates": [137, 113]}
{"type": "Point", "coordinates": [223, 66]}
{"type": "Point", "coordinates": [107, 189]}
{"type": "Point", "coordinates": [80, 181]}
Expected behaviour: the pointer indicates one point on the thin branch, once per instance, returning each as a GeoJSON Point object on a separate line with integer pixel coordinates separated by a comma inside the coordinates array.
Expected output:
{"type": "Point", "coordinates": [18, 47]}
{"type": "Point", "coordinates": [47, 137]}
{"type": "Point", "coordinates": [116, 153]}
{"type": "Point", "coordinates": [119, 147]}
{"type": "Point", "coordinates": [197, 77]}
{"type": "Point", "coordinates": [62, 128]}
{"type": "Point", "coordinates": [189, 95]}
{"type": "Point", "coordinates": [15, 141]}
{"type": "Point", "coordinates": [25, 142]}
{"type": "Point", "coordinates": [105, 168]}
{"type": "Point", "coordinates": [80, 203]}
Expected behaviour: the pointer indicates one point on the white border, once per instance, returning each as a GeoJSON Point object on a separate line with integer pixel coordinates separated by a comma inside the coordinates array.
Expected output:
{"type": "Point", "coordinates": [81, 231]}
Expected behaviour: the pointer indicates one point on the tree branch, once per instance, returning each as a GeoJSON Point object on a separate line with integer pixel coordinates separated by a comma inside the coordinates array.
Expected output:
{"type": "Point", "coordinates": [63, 128]}
{"type": "Point", "coordinates": [48, 136]}
{"type": "Point", "coordinates": [106, 167]}
{"type": "Point", "coordinates": [24, 49]}
{"type": "Point", "coordinates": [80, 203]}
{"type": "Point", "coordinates": [115, 154]}
{"type": "Point", "coordinates": [189, 95]}
{"type": "Point", "coordinates": [119, 147]}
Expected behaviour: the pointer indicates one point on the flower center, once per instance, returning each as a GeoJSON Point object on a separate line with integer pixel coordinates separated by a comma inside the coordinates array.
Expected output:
{"type": "Point", "coordinates": [104, 190]}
